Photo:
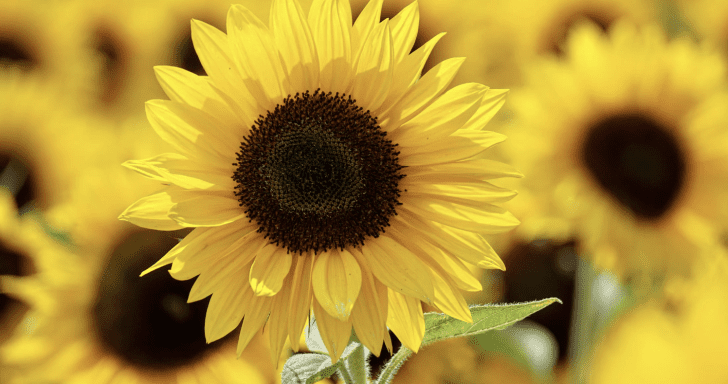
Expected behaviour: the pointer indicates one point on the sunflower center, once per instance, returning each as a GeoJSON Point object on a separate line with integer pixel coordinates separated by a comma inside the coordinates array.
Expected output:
{"type": "Point", "coordinates": [146, 321]}
{"type": "Point", "coordinates": [310, 171]}
{"type": "Point", "coordinates": [318, 173]}
{"type": "Point", "coordinates": [638, 161]}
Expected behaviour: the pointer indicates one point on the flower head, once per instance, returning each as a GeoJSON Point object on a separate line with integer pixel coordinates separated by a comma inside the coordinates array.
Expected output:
{"type": "Point", "coordinates": [89, 320]}
{"type": "Point", "coordinates": [321, 171]}
{"type": "Point", "coordinates": [623, 141]}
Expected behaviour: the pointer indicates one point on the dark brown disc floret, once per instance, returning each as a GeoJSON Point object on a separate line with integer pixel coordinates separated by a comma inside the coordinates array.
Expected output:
{"type": "Point", "coordinates": [318, 173]}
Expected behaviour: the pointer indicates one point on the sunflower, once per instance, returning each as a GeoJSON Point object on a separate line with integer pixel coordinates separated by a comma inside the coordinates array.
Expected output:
{"type": "Point", "coordinates": [317, 163]}
{"type": "Point", "coordinates": [36, 38]}
{"type": "Point", "coordinates": [624, 140]}
{"type": "Point", "coordinates": [92, 320]}
{"type": "Point", "coordinates": [510, 34]}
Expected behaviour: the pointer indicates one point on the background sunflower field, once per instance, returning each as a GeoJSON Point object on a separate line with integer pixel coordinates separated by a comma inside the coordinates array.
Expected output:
{"type": "Point", "coordinates": [617, 116]}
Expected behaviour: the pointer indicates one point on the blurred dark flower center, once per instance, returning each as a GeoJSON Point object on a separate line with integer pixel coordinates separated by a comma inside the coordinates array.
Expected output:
{"type": "Point", "coordinates": [146, 320]}
{"type": "Point", "coordinates": [637, 161]}
{"type": "Point", "coordinates": [15, 52]}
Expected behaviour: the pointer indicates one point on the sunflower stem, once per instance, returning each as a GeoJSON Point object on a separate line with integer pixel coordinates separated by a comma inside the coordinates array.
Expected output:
{"type": "Point", "coordinates": [355, 369]}
{"type": "Point", "coordinates": [599, 299]}
{"type": "Point", "coordinates": [348, 379]}
{"type": "Point", "coordinates": [394, 364]}
{"type": "Point", "coordinates": [580, 327]}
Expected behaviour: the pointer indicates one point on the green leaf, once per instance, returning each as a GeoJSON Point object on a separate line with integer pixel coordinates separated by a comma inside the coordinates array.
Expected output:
{"type": "Point", "coordinates": [488, 317]}
{"type": "Point", "coordinates": [309, 368]}
{"type": "Point", "coordinates": [306, 368]}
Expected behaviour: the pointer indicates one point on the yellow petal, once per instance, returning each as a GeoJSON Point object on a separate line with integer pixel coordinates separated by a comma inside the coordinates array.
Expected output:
{"type": "Point", "coordinates": [488, 219]}
{"type": "Point", "coordinates": [422, 93]}
{"type": "Point", "coordinates": [406, 74]}
{"type": "Point", "coordinates": [492, 102]}
{"type": "Point", "coordinates": [466, 193]}
{"type": "Point", "coordinates": [212, 48]}
{"type": "Point", "coordinates": [468, 246]}
{"type": "Point", "coordinates": [188, 130]}
{"type": "Point", "coordinates": [233, 261]}
{"type": "Point", "coordinates": [369, 315]}
{"type": "Point", "coordinates": [365, 23]}
{"type": "Point", "coordinates": [443, 117]}
{"type": "Point", "coordinates": [406, 320]}
{"type": "Point", "coordinates": [152, 212]}
{"type": "Point", "coordinates": [461, 145]}
{"type": "Point", "coordinates": [225, 310]}
{"type": "Point", "coordinates": [438, 259]}
{"type": "Point", "coordinates": [334, 332]}
{"type": "Point", "coordinates": [269, 270]}
{"type": "Point", "coordinates": [462, 171]}
{"type": "Point", "coordinates": [336, 282]}
{"type": "Point", "coordinates": [374, 69]}
{"type": "Point", "coordinates": [196, 91]}
{"type": "Point", "coordinates": [278, 320]}
{"type": "Point", "coordinates": [404, 31]}
{"type": "Point", "coordinates": [449, 300]}
{"type": "Point", "coordinates": [182, 172]}
{"type": "Point", "coordinates": [200, 250]}
{"type": "Point", "coordinates": [398, 268]}
{"type": "Point", "coordinates": [330, 22]}
{"type": "Point", "coordinates": [181, 246]}
{"type": "Point", "coordinates": [388, 341]}
{"type": "Point", "coordinates": [300, 300]}
{"type": "Point", "coordinates": [257, 309]}
{"type": "Point", "coordinates": [253, 50]}
{"type": "Point", "coordinates": [295, 43]}
{"type": "Point", "coordinates": [194, 209]}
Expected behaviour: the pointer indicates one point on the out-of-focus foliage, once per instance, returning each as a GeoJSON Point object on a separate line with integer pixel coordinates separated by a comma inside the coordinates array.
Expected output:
{"type": "Point", "coordinates": [679, 338]}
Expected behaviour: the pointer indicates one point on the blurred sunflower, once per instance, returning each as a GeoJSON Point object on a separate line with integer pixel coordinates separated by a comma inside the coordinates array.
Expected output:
{"type": "Point", "coordinates": [625, 140]}
{"type": "Point", "coordinates": [680, 339]}
{"type": "Point", "coordinates": [359, 191]}
{"type": "Point", "coordinates": [93, 320]}
{"type": "Point", "coordinates": [38, 156]}
{"type": "Point", "coordinates": [37, 38]}
{"type": "Point", "coordinates": [509, 34]}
